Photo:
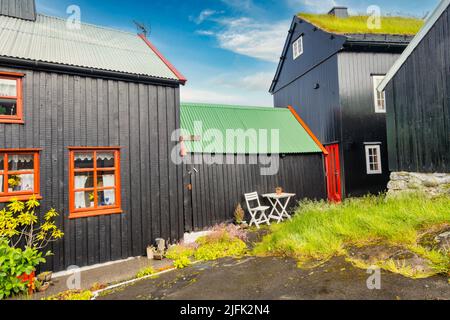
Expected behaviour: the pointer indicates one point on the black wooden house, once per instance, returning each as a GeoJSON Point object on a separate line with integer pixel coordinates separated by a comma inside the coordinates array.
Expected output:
{"type": "Point", "coordinates": [330, 77]}
{"type": "Point", "coordinates": [86, 117]}
{"type": "Point", "coordinates": [418, 100]}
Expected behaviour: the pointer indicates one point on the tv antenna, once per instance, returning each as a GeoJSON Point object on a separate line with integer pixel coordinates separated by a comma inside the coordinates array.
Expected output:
{"type": "Point", "coordinates": [142, 28]}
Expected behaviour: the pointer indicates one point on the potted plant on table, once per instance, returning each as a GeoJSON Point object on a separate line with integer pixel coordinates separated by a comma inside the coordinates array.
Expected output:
{"type": "Point", "coordinates": [13, 182]}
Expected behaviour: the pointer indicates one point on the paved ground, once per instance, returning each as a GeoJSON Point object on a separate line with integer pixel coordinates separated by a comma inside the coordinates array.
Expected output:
{"type": "Point", "coordinates": [112, 273]}
{"type": "Point", "coordinates": [274, 279]}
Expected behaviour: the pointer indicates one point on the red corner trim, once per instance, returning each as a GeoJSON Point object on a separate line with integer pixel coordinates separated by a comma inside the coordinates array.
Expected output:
{"type": "Point", "coordinates": [308, 130]}
{"type": "Point", "coordinates": [180, 77]}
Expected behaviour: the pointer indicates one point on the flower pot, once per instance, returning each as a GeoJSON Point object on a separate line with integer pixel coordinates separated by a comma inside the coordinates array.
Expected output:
{"type": "Point", "coordinates": [150, 253]}
{"type": "Point", "coordinates": [45, 277]}
{"type": "Point", "coordinates": [44, 287]}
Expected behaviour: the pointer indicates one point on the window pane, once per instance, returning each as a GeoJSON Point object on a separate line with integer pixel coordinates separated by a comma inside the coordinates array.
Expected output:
{"type": "Point", "coordinates": [2, 162]}
{"type": "Point", "coordinates": [84, 180]}
{"type": "Point", "coordinates": [20, 162]}
{"type": "Point", "coordinates": [84, 160]}
{"type": "Point", "coordinates": [8, 107]}
{"type": "Point", "coordinates": [19, 183]}
{"type": "Point", "coordinates": [106, 179]}
{"type": "Point", "coordinates": [2, 185]}
{"type": "Point", "coordinates": [105, 160]}
{"type": "Point", "coordinates": [84, 200]}
{"type": "Point", "coordinates": [107, 198]}
{"type": "Point", "coordinates": [8, 88]}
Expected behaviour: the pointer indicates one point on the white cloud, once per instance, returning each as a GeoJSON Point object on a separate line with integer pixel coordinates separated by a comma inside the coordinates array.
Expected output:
{"type": "Point", "coordinates": [205, 32]}
{"type": "Point", "coordinates": [248, 37]}
{"type": "Point", "coordinates": [211, 95]}
{"type": "Point", "coordinates": [204, 15]}
{"type": "Point", "coordinates": [259, 81]}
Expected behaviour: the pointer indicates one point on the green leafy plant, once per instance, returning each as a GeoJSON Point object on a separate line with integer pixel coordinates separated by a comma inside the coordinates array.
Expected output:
{"type": "Point", "coordinates": [180, 255]}
{"type": "Point", "coordinates": [182, 262]}
{"type": "Point", "coordinates": [77, 295]}
{"type": "Point", "coordinates": [219, 246]}
{"type": "Point", "coordinates": [19, 223]}
{"type": "Point", "coordinates": [145, 272]}
{"type": "Point", "coordinates": [15, 262]}
{"type": "Point", "coordinates": [14, 181]}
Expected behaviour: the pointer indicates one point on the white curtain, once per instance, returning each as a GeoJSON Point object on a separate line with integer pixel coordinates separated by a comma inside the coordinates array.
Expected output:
{"type": "Point", "coordinates": [110, 195]}
{"type": "Point", "coordinates": [1, 183]}
{"type": "Point", "coordinates": [26, 182]}
{"type": "Point", "coordinates": [7, 88]}
{"type": "Point", "coordinates": [80, 199]}
{"type": "Point", "coordinates": [88, 156]}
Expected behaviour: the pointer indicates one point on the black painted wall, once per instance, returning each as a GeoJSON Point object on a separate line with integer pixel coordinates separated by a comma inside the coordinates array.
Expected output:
{"type": "Point", "coordinates": [66, 110]}
{"type": "Point", "coordinates": [418, 101]}
{"type": "Point", "coordinates": [217, 189]}
{"type": "Point", "coordinates": [360, 123]}
{"type": "Point", "coordinates": [23, 9]}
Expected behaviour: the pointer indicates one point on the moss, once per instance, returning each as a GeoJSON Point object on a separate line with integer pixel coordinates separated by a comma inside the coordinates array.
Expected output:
{"type": "Point", "coordinates": [145, 272]}
{"type": "Point", "coordinates": [359, 24]}
{"type": "Point", "coordinates": [72, 295]}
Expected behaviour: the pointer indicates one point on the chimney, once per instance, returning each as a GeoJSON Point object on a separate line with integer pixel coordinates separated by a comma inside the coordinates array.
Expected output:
{"type": "Point", "coordinates": [339, 12]}
{"type": "Point", "coordinates": [21, 9]}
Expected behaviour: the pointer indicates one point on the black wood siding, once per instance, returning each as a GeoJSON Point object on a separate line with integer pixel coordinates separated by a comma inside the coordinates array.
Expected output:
{"type": "Point", "coordinates": [360, 122]}
{"type": "Point", "coordinates": [319, 108]}
{"type": "Point", "coordinates": [217, 189]}
{"type": "Point", "coordinates": [24, 9]}
{"type": "Point", "coordinates": [318, 46]}
{"type": "Point", "coordinates": [418, 100]}
{"type": "Point", "coordinates": [65, 110]}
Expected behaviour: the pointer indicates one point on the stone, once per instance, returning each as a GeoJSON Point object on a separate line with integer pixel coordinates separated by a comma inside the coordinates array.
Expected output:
{"type": "Point", "coordinates": [433, 184]}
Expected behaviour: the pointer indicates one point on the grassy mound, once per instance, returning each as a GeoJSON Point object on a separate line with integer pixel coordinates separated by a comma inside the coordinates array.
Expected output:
{"type": "Point", "coordinates": [320, 230]}
{"type": "Point", "coordinates": [359, 25]}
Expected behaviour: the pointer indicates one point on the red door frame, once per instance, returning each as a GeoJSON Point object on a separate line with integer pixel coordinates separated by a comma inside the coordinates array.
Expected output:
{"type": "Point", "coordinates": [333, 170]}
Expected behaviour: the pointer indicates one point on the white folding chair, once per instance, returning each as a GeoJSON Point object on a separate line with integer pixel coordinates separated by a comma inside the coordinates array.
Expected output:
{"type": "Point", "coordinates": [258, 213]}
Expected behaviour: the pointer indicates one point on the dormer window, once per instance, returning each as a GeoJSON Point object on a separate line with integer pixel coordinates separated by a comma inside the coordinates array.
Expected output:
{"type": "Point", "coordinates": [297, 47]}
{"type": "Point", "coordinates": [10, 98]}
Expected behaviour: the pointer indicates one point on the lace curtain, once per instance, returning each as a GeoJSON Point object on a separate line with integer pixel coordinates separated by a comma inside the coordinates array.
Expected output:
{"type": "Point", "coordinates": [88, 156]}
{"type": "Point", "coordinates": [80, 197]}
{"type": "Point", "coordinates": [110, 195]}
{"type": "Point", "coordinates": [7, 88]}
{"type": "Point", "coordinates": [26, 182]}
{"type": "Point", "coordinates": [1, 183]}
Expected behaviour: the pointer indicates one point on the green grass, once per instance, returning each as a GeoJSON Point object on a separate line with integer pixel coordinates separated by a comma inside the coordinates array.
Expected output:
{"type": "Point", "coordinates": [359, 24]}
{"type": "Point", "coordinates": [320, 230]}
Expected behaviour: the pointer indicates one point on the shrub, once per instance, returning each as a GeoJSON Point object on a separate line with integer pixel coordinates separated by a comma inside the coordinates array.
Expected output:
{"type": "Point", "coordinates": [78, 295]}
{"type": "Point", "coordinates": [218, 246]}
{"type": "Point", "coordinates": [180, 255]}
{"type": "Point", "coordinates": [15, 262]}
{"type": "Point", "coordinates": [182, 262]}
{"type": "Point", "coordinates": [239, 214]}
{"type": "Point", "coordinates": [145, 272]}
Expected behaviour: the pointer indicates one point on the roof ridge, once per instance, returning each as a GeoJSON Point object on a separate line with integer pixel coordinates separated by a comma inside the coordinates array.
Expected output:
{"type": "Point", "coordinates": [88, 24]}
{"type": "Point", "coordinates": [229, 106]}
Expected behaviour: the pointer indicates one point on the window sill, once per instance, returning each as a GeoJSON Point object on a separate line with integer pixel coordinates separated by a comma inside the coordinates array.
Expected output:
{"type": "Point", "coordinates": [21, 197]}
{"type": "Point", "coordinates": [12, 121]}
{"type": "Point", "coordinates": [94, 213]}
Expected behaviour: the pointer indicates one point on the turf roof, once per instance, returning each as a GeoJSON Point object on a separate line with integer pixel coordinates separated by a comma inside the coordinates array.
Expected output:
{"type": "Point", "coordinates": [358, 24]}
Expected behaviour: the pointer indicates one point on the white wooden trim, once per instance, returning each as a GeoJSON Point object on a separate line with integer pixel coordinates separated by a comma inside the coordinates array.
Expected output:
{"type": "Point", "coordinates": [368, 162]}
{"type": "Point", "coordinates": [297, 47]}
{"type": "Point", "coordinates": [376, 82]}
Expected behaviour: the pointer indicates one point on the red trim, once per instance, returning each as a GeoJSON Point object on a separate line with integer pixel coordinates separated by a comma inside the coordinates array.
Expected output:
{"type": "Point", "coordinates": [21, 195]}
{"type": "Point", "coordinates": [18, 118]}
{"type": "Point", "coordinates": [96, 210]}
{"type": "Point", "coordinates": [333, 169]}
{"type": "Point", "coordinates": [180, 77]}
{"type": "Point", "coordinates": [308, 130]}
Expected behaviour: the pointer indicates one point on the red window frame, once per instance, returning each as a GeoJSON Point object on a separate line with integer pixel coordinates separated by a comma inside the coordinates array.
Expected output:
{"type": "Point", "coordinates": [18, 118]}
{"type": "Point", "coordinates": [21, 195]}
{"type": "Point", "coordinates": [96, 210]}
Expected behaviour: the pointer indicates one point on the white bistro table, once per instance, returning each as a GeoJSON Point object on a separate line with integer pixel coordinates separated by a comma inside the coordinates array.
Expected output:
{"type": "Point", "coordinates": [279, 212]}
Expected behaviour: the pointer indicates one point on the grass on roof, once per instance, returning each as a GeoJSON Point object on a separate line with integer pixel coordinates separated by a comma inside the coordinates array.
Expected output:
{"type": "Point", "coordinates": [360, 25]}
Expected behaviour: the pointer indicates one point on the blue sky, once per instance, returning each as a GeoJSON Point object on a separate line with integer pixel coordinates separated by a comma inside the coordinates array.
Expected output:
{"type": "Point", "coordinates": [228, 49]}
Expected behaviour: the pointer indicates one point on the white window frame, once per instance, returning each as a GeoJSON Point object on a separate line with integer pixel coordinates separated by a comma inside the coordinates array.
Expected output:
{"type": "Point", "coordinates": [297, 47]}
{"type": "Point", "coordinates": [376, 82]}
{"type": "Point", "coordinates": [369, 161]}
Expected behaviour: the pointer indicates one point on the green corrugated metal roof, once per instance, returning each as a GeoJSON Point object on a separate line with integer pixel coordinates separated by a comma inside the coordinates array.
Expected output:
{"type": "Point", "coordinates": [48, 39]}
{"type": "Point", "coordinates": [221, 118]}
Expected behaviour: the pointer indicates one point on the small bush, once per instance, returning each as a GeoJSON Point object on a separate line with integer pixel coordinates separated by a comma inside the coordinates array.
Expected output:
{"type": "Point", "coordinates": [218, 246]}
{"type": "Point", "coordinates": [239, 214]}
{"type": "Point", "coordinates": [182, 262]}
{"type": "Point", "coordinates": [77, 295]}
{"type": "Point", "coordinates": [145, 272]}
{"type": "Point", "coordinates": [15, 262]}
